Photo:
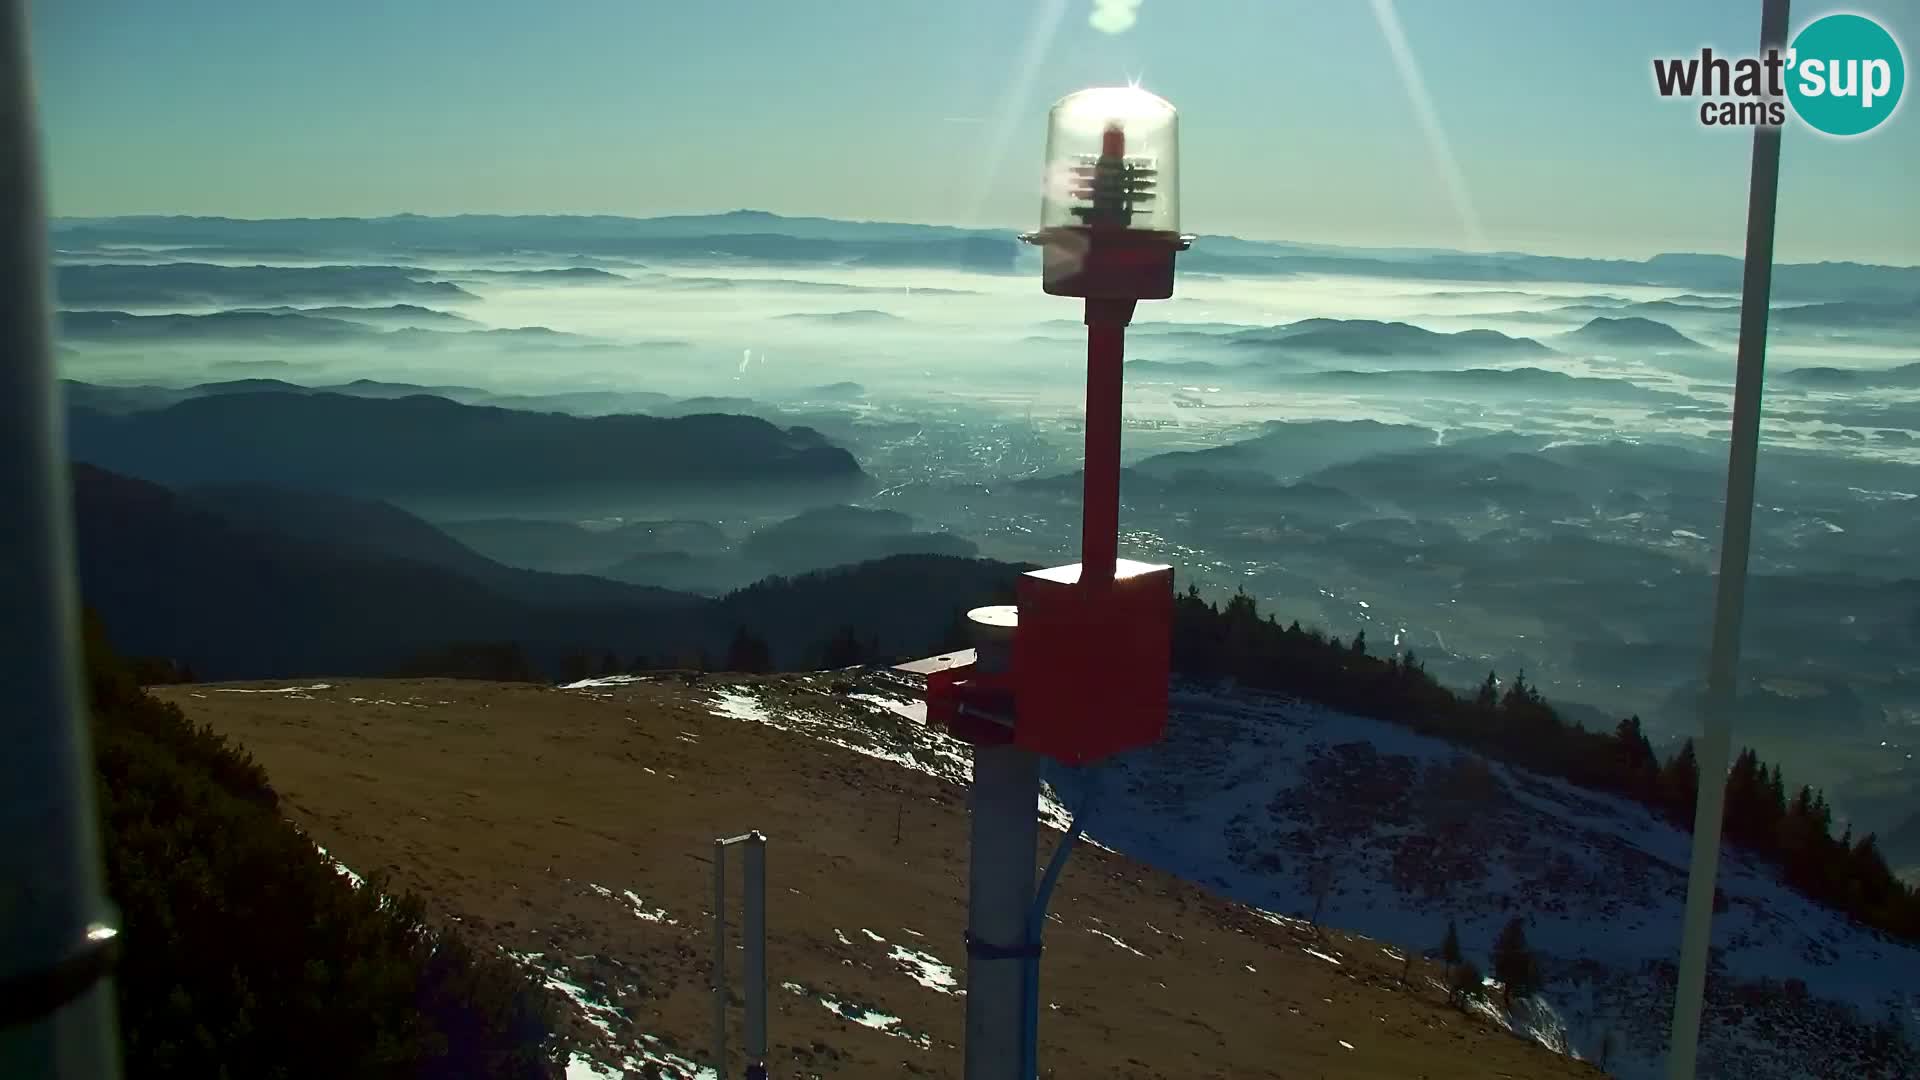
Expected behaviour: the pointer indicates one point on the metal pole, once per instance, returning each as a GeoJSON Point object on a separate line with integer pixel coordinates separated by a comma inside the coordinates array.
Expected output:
{"type": "Point", "coordinates": [720, 959]}
{"type": "Point", "coordinates": [1730, 595]}
{"type": "Point", "coordinates": [1100, 480]}
{"type": "Point", "coordinates": [56, 935]}
{"type": "Point", "coordinates": [754, 928]}
{"type": "Point", "coordinates": [1005, 801]}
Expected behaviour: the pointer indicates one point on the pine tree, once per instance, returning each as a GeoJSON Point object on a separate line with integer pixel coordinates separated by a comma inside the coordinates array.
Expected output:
{"type": "Point", "coordinates": [1489, 693]}
{"type": "Point", "coordinates": [1680, 785]}
{"type": "Point", "coordinates": [1519, 695]}
{"type": "Point", "coordinates": [1513, 962]}
{"type": "Point", "coordinates": [748, 652]}
{"type": "Point", "coordinates": [844, 650]}
{"type": "Point", "coordinates": [574, 667]}
{"type": "Point", "coordinates": [1641, 767]}
{"type": "Point", "coordinates": [1450, 948]}
{"type": "Point", "coordinates": [1463, 984]}
{"type": "Point", "coordinates": [1359, 647]}
{"type": "Point", "coordinates": [1740, 808]}
{"type": "Point", "coordinates": [958, 633]}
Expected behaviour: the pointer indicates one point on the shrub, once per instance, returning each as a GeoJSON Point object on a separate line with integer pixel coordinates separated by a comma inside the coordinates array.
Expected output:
{"type": "Point", "coordinates": [245, 954]}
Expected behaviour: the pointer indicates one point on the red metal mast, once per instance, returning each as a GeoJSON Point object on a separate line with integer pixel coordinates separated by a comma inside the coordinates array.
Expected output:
{"type": "Point", "coordinates": [1100, 490]}
{"type": "Point", "coordinates": [1077, 671]}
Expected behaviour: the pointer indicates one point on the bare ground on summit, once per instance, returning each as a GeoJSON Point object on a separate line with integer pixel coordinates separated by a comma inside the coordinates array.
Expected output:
{"type": "Point", "coordinates": [504, 805]}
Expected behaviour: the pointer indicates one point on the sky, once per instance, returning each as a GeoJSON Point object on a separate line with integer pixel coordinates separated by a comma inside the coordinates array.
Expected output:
{"type": "Point", "coordinates": [1496, 124]}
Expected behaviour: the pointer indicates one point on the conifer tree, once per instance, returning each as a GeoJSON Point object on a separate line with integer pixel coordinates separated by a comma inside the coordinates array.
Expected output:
{"type": "Point", "coordinates": [1513, 962]}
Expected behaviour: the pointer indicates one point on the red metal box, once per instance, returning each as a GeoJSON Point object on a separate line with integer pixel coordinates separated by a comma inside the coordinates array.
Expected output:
{"type": "Point", "coordinates": [1090, 664]}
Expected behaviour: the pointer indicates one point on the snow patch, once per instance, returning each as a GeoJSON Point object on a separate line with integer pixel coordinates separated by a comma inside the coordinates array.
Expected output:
{"type": "Point", "coordinates": [579, 1068]}
{"type": "Point", "coordinates": [898, 734]}
{"type": "Point", "coordinates": [866, 1017]}
{"type": "Point", "coordinates": [646, 913]}
{"type": "Point", "coordinates": [592, 1011]}
{"type": "Point", "coordinates": [341, 868]}
{"type": "Point", "coordinates": [1115, 940]}
{"type": "Point", "coordinates": [907, 709]}
{"type": "Point", "coordinates": [635, 1052]}
{"type": "Point", "coordinates": [604, 680]}
{"type": "Point", "coordinates": [926, 969]}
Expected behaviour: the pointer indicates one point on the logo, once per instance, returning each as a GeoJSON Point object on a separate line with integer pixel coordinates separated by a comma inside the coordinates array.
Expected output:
{"type": "Point", "coordinates": [1842, 74]}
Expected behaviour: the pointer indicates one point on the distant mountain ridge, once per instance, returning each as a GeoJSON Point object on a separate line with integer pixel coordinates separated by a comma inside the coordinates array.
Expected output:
{"type": "Point", "coordinates": [759, 234]}
{"type": "Point", "coordinates": [422, 445]}
{"type": "Point", "coordinates": [389, 315]}
{"type": "Point", "coordinates": [859, 317]}
{"type": "Point", "coordinates": [276, 327]}
{"type": "Point", "coordinates": [1286, 450]}
{"type": "Point", "coordinates": [1903, 375]}
{"type": "Point", "coordinates": [216, 579]}
{"type": "Point", "coordinates": [1631, 331]}
{"type": "Point", "coordinates": [1530, 383]}
{"type": "Point", "coordinates": [741, 234]}
{"type": "Point", "coordinates": [1372, 337]}
{"type": "Point", "coordinates": [140, 398]}
{"type": "Point", "coordinates": [213, 285]}
{"type": "Point", "coordinates": [295, 326]}
{"type": "Point", "coordinates": [379, 531]}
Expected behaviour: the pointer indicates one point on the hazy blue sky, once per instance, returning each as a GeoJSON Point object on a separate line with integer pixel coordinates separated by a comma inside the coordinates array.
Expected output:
{"type": "Point", "coordinates": [1296, 121]}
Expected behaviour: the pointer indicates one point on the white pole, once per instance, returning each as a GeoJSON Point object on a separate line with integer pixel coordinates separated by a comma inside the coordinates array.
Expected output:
{"type": "Point", "coordinates": [1005, 833]}
{"type": "Point", "coordinates": [754, 927]}
{"type": "Point", "coordinates": [56, 937]}
{"type": "Point", "coordinates": [1736, 534]}
{"type": "Point", "coordinates": [720, 959]}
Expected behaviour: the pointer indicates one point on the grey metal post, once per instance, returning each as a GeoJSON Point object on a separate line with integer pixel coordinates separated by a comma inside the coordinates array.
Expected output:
{"type": "Point", "coordinates": [56, 1006]}
{"type": "Point", "coordinates": [1730, 594]}
{"type": "Point", "coordinates": [720, 959]}
{"type": "Point", "coordinates": [1005, 832]}
{"type": "Point", "coordinates": [754, 928]}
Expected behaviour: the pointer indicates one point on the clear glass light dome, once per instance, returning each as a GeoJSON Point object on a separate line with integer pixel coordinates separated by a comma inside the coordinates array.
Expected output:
{"type": "Point", "coordinates": [1112, 162]}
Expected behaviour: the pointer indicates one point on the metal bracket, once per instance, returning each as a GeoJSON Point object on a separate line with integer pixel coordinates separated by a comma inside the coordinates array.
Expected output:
{"type": "Point", "coordinates": [989, 951]}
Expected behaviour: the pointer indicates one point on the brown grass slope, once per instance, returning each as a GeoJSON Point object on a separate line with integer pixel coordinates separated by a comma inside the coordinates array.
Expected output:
{"type": "Point", "coordinates": [501, 804]}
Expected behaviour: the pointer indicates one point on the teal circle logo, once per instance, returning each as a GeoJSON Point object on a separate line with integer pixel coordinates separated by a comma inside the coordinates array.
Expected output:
{"type": "Point", "coordinates": [1845, 74]}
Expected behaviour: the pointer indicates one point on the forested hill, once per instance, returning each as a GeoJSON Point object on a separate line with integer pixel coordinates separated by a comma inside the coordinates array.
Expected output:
{"type": "Point", "coordinates": [207, 581]}
{"type": "Point", "coordinates": [424, 446]}
{"type": "Point", "coordinates": [1790, 827]}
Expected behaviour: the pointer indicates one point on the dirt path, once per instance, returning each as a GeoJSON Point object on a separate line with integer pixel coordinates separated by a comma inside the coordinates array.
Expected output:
{"type": "Point", "coordinates": [527, 814]}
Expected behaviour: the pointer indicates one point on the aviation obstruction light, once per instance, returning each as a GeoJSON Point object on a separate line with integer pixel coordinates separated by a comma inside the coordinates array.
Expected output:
{"type": "Point", "coordinates": [1112, 160]}
{"type": "Point", "coordinates": [1110, 197]}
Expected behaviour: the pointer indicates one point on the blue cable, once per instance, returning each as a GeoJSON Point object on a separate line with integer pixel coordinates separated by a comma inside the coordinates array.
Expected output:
{"type": "Point", "coordinates": [1036, 922]}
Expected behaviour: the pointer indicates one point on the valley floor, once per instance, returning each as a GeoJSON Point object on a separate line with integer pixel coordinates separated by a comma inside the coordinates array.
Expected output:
{"type": "Point", "coordinates": [574, 829]}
